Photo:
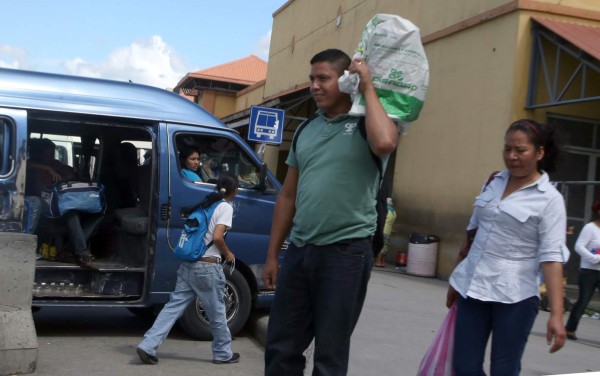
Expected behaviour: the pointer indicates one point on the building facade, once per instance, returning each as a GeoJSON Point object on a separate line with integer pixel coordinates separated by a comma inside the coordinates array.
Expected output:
{"type": "Point", "coordinates": [491, 62]}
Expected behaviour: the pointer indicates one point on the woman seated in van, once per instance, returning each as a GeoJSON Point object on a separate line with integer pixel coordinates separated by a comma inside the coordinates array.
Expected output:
{"type": "Point", "coordinates": [43, 170]}
{"type": "Point", "coordinates": [189, 159]}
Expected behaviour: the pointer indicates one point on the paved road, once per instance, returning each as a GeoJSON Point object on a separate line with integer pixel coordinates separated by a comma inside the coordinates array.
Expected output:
{"type": "Point", "coordinates": [101, 341]}
{"type": "Point", "coordinates": [398, 322]}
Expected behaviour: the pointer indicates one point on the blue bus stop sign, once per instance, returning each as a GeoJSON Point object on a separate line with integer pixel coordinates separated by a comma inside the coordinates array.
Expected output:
{"type": "Point", "coordinates": [266, 125]}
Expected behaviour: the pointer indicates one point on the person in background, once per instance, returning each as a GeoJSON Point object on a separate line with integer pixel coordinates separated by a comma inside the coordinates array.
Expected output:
{"type": "Point", "coordinates": [588, 248]}
{"type": "Point", "coordinates": [323, 281]}
{"type": "Point", "coordinates": [390, 218]}
{"type": "Point", "coordinates": [203, 279]}
{"type": "Point", "coordinates": [189, 159]}
{"type": "Point", "coordinates": [43, 170]}
{"type": "Point", "coordinates": [518, 223]}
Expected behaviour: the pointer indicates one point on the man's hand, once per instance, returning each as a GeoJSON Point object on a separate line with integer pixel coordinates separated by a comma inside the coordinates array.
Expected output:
{"type": "Point", "coordinates": [359, 66]}
{"type": "Point", "coordinates": [270, 272]}
{"type": "Point", "coordinates": [555, 333]}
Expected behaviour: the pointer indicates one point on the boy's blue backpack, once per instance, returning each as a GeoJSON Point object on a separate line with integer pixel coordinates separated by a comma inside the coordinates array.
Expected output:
{"type": "Point", "coordinates": [190, 246]}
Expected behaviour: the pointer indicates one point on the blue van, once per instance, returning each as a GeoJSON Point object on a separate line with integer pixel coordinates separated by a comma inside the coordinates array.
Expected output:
{"type": "Point", "coordinates": [147, 198]}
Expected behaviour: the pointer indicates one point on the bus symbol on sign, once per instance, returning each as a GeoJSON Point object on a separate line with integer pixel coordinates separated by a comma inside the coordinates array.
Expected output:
{"type": "Point", "coordinates": [266, 125]}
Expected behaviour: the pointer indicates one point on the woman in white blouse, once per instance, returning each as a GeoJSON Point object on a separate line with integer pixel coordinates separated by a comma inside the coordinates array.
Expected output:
{"type": "Point", "coordinates": [518, 223]}
{"type": "Point", "coordinates": [588, 247]}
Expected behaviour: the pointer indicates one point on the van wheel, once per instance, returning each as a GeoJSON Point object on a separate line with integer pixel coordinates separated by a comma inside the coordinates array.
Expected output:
{"type": "Point", "coordinates": [238, 301]}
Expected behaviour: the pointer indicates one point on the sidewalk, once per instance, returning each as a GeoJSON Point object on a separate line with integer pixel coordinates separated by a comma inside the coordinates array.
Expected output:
{"type": "Point", "coordinates": [402, 314]}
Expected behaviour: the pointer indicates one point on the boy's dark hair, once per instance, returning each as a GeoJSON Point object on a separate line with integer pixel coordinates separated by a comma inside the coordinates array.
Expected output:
{"type": "Point", "coordinates": [337, 58]}
{"type": "Point", "coordinates": [541, 135]}
{"type": "Point", "coordinates": [37, 147]}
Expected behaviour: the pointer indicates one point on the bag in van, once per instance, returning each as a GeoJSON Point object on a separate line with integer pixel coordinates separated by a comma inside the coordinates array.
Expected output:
{"type": "Point", "coordinates": [191, 246]}
{"type": "Point", "coordinates": [73, 195]}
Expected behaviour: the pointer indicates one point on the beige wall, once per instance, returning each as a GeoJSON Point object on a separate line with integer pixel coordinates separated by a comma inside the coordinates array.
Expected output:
{"type": "Point", "coordinates": [450, 151]}
{"type": "Point", "coordinates": [314, 31]}
{"type": "Point", "coordinates": [224, 104]}
{"type": "Point", "coordinates": [249, 97]}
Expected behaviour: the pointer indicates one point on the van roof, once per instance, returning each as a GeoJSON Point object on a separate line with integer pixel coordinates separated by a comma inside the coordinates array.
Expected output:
{"type": "Point", "coordinates": [83, 95]}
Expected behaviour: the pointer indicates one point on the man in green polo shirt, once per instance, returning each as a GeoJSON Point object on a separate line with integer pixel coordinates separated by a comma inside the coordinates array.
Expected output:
{"type": "Point", "coordinates": [328, 202]}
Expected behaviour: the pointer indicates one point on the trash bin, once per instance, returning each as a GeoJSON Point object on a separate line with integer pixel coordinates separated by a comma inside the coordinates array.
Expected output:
{"type": "Point", "coordinates": [422, 254]}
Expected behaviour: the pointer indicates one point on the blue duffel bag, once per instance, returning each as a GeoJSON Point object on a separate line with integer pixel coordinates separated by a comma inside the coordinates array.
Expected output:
{"type": "Point", "coordinates": [85, 197]}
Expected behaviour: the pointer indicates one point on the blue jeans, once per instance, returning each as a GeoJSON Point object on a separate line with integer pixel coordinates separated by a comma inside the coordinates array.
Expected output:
{"type": "Point", "coordinates": [194, 279]}
{"type": "Point", "coordinates": [510, 325]}
{"type": "Point", "coordinates": [589, 280]}
{"type": "Point", "coordinates": [320, 293]}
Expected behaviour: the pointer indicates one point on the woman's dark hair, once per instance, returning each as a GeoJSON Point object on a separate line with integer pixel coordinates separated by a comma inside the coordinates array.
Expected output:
{"type": "Point", "coordinates": [185, 152]}
{"type": "Point", "coordinates": [337, 58]}
{"type": "Point", "coordinates": [541, 135]}
{"type": "Point", "coordinates": [226, 185]}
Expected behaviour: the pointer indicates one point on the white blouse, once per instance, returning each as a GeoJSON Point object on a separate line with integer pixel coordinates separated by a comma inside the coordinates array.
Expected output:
{"type": "Point", "coordinates": [589, 239]}
{"type": "Point", "coordinates": [514, 236]}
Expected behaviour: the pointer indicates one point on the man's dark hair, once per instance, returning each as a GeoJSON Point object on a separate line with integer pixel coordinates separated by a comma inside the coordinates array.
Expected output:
{"type": "Point", "coordinates": [337, 58]}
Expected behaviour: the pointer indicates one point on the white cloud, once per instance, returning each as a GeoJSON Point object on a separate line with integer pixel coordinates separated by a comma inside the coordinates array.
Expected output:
{"type": "Point", "coordinates": [261, 49]}
{"type": "Point", "coordinates": [148, 61]}
{"type": "Point", "coordinates": [13, 57]}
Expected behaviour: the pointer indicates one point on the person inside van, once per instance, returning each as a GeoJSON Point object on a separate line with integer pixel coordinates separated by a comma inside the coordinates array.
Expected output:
{"type": "Point", "coordinates": [189, 159]}
{"type": "Point", "coordinates": [43, 170]}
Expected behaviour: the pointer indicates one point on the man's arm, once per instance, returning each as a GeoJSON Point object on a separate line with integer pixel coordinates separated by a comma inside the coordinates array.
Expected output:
{"type": "Point", "coordinates": [285, 208]}
{"type": "Point", "coordinates": [382, 133]}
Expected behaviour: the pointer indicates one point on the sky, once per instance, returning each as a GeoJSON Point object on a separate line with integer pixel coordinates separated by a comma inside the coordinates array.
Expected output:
{"type": "Point", "coordinates": [152, 42]}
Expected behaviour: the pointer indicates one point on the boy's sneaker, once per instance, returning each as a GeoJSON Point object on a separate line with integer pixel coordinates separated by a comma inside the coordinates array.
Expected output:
{"type": "Point", "coordinates": [234, 359]}
{"type": "Point", "coordinates": [145, 357]}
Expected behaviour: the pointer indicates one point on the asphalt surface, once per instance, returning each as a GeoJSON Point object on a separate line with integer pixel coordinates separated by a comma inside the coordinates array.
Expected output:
{"type": "Point", "coordinates": [398, 322]}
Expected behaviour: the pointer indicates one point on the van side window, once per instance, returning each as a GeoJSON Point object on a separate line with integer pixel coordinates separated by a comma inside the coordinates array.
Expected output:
{"type": "Point", "coordinates": [216, 154]}
{"type": "Point", "coordinates": [6, 128]}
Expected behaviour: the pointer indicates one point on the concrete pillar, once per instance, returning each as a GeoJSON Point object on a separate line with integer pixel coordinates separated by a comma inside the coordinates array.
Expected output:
{"type": "Point", "coordinates": [18, 339]}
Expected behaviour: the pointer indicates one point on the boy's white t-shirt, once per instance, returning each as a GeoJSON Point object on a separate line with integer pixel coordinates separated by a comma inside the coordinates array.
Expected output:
{"type": "Point", "coordinates": [223, 215]}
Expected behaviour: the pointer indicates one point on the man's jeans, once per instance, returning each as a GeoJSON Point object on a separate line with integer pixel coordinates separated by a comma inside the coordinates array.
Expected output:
{"type": "Point", "coordinates": [207, 282]}
{"type": "Point", "coordinates": [510, 325]}
{"type": "Point", "coordinates": [589, 280]}
{"type": "Point", "coordinates": [320, 293]}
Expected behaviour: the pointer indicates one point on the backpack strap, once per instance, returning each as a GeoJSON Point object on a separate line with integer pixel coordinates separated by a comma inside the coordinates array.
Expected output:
{"type": "Point", "coordinates": [299, 130]}
{"type": "Point", "coordinates": [362, 128]}
{"type": "Point", "coordinates": [492, 176]}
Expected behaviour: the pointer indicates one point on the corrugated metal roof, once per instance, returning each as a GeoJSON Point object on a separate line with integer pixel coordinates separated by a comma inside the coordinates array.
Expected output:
{"type": "Point", "coordinates": [587, 38]}
{"type": "Point", "coordinates": [248, 70]}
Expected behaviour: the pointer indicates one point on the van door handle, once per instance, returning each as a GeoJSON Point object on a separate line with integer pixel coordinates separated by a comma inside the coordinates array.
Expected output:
{"type": "Point", "coordinates": [165, 212]}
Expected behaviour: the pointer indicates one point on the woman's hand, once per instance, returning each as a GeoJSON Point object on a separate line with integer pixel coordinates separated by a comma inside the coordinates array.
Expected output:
{"type": "Point", "coordinates": [555, 333]}
{"type": "Point", "coordinates": [451, 296]}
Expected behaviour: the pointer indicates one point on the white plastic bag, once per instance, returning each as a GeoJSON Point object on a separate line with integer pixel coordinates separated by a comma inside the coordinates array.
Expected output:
{"type": "Point", "coordinates": [392, 48]}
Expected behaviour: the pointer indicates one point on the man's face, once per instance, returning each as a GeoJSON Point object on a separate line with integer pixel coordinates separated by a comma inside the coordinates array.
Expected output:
{"type": "Point", "coordinates": [325, 91]}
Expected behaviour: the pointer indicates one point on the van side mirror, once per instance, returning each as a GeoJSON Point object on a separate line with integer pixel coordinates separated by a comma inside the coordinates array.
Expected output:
{"type": "Point", "coordinates": [262, 182]}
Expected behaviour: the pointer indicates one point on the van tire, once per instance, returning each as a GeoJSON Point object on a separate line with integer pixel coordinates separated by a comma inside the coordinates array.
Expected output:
{"type": "Point", "coordinates": [238, 301]}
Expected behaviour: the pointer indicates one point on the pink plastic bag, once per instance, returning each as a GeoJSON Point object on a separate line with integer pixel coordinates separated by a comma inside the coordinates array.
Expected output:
{"type": "Point", "coordinates": [438, 358]}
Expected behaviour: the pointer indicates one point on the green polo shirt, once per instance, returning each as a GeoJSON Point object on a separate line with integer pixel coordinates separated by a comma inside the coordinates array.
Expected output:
{"type": "Point", "coordinates": [338, 182]}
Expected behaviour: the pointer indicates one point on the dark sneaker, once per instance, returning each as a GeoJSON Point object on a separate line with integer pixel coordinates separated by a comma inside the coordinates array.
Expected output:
{"type": "Point", "coordinates": [234, 359]}
{"type": "Point", "coordinates": [145, 357]}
